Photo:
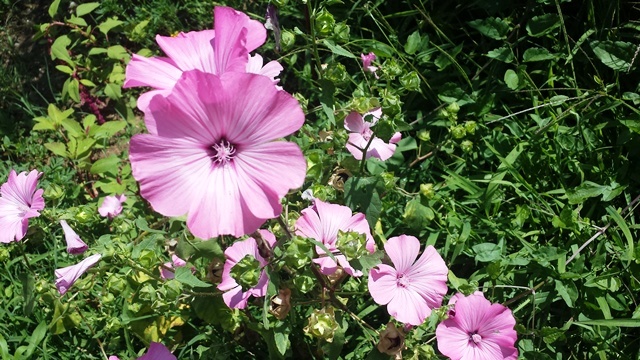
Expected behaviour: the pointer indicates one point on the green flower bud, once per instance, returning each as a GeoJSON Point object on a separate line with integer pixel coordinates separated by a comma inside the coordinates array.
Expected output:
{"type": "Point", "coordinates": [116, 285]}
{"type": "Point", "coordinates": [470, 127]}
{"type": "Point", "coordinates": [324, 23]}
{"type": "Point", "coordinates": [322, 324]}
{"type": "Point", "coordinates": [107, 298]}
{"type": "Point", "coordinates": [287, 39]}
{"type": "Point", "coordinates": [427, 191]}
{"type": "Point", "coordinates": [4, 254]}
{"type": "Point", "coordinates": [298, 252]}
{"type": "Point", "coordinates": [173, 289]}
{"type": "Point", "coordinates": [341, 32]}
{"type": "Point", "coordinates": [53, 192]}
{"type": "Point", "coordinates": [458, 131]}
{"type": "Point", "coordinates": [135, 307]}
{"type": "Point", "coordinates": [453, 108]}
{"type": "Point", "coordinates": [246, 272]}
{"type": "Point", "coordinates": [424, 135]}
{"type": "Point", "coordinates": [391, 69]}
{"type": "Point", "coordinates": [113, 325]}
{"type": "Point", "coordinates": [467, 146]}
{"type": "Point", "coordinates": [389, 180]}
{"type": "Point", "coordinates": [391, 104]}
{"type": "Point", "coordinates": [410, 81]}
{"type": "Point", "coordinates": [84, 215]}
{"type": "Point", "coordinates": [362, 104]}
{"type": "Point", "coordinates": [351, 244]}
{"type": "Point", "coordinates": [147, 259]}
{"type": "Point", "coordinates": [336, 73]}
{"type": "Point", "coordinates": [304, 283]}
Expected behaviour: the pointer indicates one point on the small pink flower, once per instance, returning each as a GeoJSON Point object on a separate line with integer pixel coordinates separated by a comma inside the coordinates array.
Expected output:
{"type": "Point", "coordinates": [412, 288]}
{"type": "Point", "coordinates": [366, 62]}
{"type": "Point", "coordinates": [75, 245]}
{"type": "Point", "coordinates": [226, 48]}
{"type": "Point", "coordinates": [67, 276]}
{"type": "Point", "coordinates": [215, 154]}
{"type": "Point", "coordinates": [113, 357]}
{"type": "Point", "coordinates": [19, 201]}
{"type": "Point", "coordinates": [176, 262]}
{"type": "Point", "coordinates": [322, 221]}
{"type": "Point", "coordinates": [157, 351]}
{"type": "Point", "coordinates": [234, 297]}
{"type": "Point", "coordinates": [112, 206]}
{"type": "Point", "coordinates": [361, 134]}
{"type": "Point", "coordinates": [477, 329]}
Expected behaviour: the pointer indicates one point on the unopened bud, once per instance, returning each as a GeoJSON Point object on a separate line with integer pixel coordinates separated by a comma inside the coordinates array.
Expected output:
{"type": "Point", "coordinates": [322, 324]}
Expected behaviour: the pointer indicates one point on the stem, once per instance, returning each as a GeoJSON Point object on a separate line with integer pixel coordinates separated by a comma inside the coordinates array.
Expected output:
{"type": "Point", "coordinates": [93, 333]}
{"type": "Point", "coordinates": [312, 33]}
{"type": "Point", "coordinates": [24, 256]}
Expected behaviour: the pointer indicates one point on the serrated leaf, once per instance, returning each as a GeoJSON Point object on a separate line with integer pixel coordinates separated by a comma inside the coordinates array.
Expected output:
{"type": "Point", "coordinates": [537, 54]}
{"type": "Point", "coordinates": [494, 28]}
{"type": "Point", "coordinates": [84, 9]}
{"type": "Point", "coordinates": [584, 191]}
{"type": "Point", "coordinates": [43, 123]}
{"type": "Point", "coordinates": [185, 276]}
{"type": "Point", "coordinates": [108, 129]}
{"type": "Point", "coordinates": [617, 55]}
{"type": "Point", "coordinates": [543, 24]}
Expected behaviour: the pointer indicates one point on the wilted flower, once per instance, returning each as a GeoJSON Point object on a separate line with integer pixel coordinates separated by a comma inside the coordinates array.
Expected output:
{"type": "Point", "coordinates": [75, 245]}
{"type": "Point", "coordinates": [243, 253]}
{"type": "Point", "coordinates": [19, 201]}
{"type": "Point", "coordinates": [226, 48]}
{"type": "Point", "coordinates": [112, 206]}
{"type": "Point", "coordinates": [281, 304]}
{"type": "Point", "coordinates": [165, 270]}
{"type": "Point", "coordinates": [213, 155]}
{"type": "Point", "coordinates": [361, 135]}
{"type": "Point", "coordinates": [412, 287]}
{"type": "Point", "coordinates": [157, 351]}
{"type": "Point", "coordinates": [322, 222]}
{"type": "Point", "coordinates": [366, 63]}
{"type": "Point", "coordinates": [391, 340]}
{"type": "Point", "coordinates": [477, 329]}
{"type": "Point", "coordinates": [67, 276]}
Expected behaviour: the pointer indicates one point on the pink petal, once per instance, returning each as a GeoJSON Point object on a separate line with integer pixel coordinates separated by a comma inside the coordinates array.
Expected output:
{"type": "Point", "coordinates": [67, 276]}
{"type": "Point", "coordinates": [356, 144]}
{"type": "Point", "coordinates": [268, 237]}
{"type": "Point", "coordinates": [403, 251]}
{"type": "Point", "coordinates": [452, 341]}
{"type": "Point", "coordinates": [156, 72]}
{"type": "Point", "coordinates": [395, 138]}
{"type": "Point", "coordinates": [177, 262]}
{"type": "Point", "coordinates": [157, 351]}
{"type": "Point", "coordinates": [143, 104]}
{"type": "Point", "coordinates": [190, 51]}
{"type": "Point", "coordinates": [75, 245]}
{"type": "Point", "coordinates": [408, 307]}
{"type": "Point", "coordinates": [354, 122]}
{"type": "Point", "coordinates": [342, 261]}
{"type": "Point", "coordinates": [165, 273]}
{"type": "Point", "coordinates": [231, 53]}
{"type": "Point", "coordinates": [327, 265]}
{"type": "Point", "coordinates": [372, 116]}
{"type": "Point", "coordinates": [380, 150]}
{"type": "Point", "coordinates": [235, 298]}
{"type": "Point", "coordinates": [383, 283]}
{"type": "Point", "coordinates": [13, 226]}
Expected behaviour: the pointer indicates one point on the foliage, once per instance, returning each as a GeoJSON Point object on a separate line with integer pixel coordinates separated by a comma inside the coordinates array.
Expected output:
{"type": "Point", "coordinates": [518, 162]}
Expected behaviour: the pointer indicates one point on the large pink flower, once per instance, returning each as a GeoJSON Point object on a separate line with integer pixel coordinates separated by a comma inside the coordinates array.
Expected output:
{"type": "Point", "coordinates": [412, 287]}
{"type": "Point", "coordinates": [322, 221]}
{"type": "Point", "coordinates": [75, 245]}
{"type": "Point", "coordinates": [226, 48]}
{"type": "Point", "coordinates": [157, 351]}
{"type": "Point", "coordinates": [213, 156]}
{"type": "Point", "coordinates": [19, 201]}
{"type": "Point", "coordinates": [67, 276]}
{"type": "Point", "coordinates": [361, 134]}
{"type": "Point", "coordinates": [477, 330]}
{"type": "Point", "coordinates": [234, 297]}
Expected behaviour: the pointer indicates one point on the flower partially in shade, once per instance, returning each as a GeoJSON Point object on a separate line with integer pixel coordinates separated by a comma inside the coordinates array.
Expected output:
{"type": "Point", "coordinates": [165, 271]}
{"type": "Point", "coordinates": [322, 222]}
{"type": "Point", "coordinates": [213, 156]}
{"type": "Point", "coordinates": [157, 351]}
{"type": "Point", "coordinates": [361, 135]}
{"type": "Point", "coordinates": [112, 206]}
{"type": "Point", "coordinates": [366, 62]}
{"type": "Point", "coordinates": [413, 286]}
{"type": "Point", "coordinates": [253, 278]}
{"type": "Point", "coordinates": [391, 340]}
{"type": "Point", "coordinates": [477, 329]}
{"type": "Point", "coordinates": [19, 201]}
{"type": "Point", "coordinates": [75, 245]}
{"type": "Point", "coordinates": [113, 357]}
{"type": "Point", "coordinates": [67, 276]}
{"type": "Point", "coordinates": [226, 48]}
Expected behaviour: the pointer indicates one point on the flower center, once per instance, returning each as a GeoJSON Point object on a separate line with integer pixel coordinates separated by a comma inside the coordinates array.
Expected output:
{"type": "Point", "coordinates": [367, 133]}
{"type": "Point", "coordinates": [402, 281]}
{"type": "Point", "coordinates": [223, 152]}
{"type": "Point", "coordinates": [476, 338]}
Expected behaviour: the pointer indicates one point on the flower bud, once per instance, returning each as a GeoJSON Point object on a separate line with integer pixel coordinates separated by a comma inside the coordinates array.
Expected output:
{"type": "Point", "coordinates": [467, 146]}
{"type": "Point", "coordinates": [336, 73]}
{"type": "Point", "coordinates": [424, 135]}
{"type": "Point", "coordinates": [410, 81]}
{"type": "Point", "coordinates": [453, 108]}
{"type": "Point", "coordinates": [322, 324]}
{"type": "Point", "coordinates": [4, 254]}
{"type": "Point", "coordinates": [458, 131]}
{"type": "Point", "coordinates": [341, 32]}
{"type": "Point", "coordinates": [116, 285]}
{"type": "Point", "coordinates": [324, 23]}
{"type": "Point", "coordinates": [391, 68]}
{"type": "Point", "coordinates": [351, 244]}
{"type": "Point", "coordinates": [246, 272]}
{"type": "Point", "coordinates": [287, 39]}
{"type": "Point", "coordinates": [391, 340]}
{"type": "Point", "coordinates": [53, 192]}
{"type": "Point", "coordinates": [297, 253]}
{"type": "Point", "coordinates": [391, 104]}
{"type": "Point", "coordinates": [470, 127]}
{"type": "Point", "coordinates": [427, 191]}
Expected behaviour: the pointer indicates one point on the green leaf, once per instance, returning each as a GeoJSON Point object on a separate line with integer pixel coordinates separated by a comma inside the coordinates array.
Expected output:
{"type": "Point", "coordinates": [568, 292]}
{"type": "Point", "coordinates": [611, 322]}
{"type": "Point", "coordinates": [76, 21]}
{"type": "Point", "coordinates": [414, 43]}
{"type": "Point", "coordinates": [502, 53]}
{"type": "Point", "coordinates": [97, 51]}
{"type": "Point", "coordinates": [543, 24]}
{"type": "Point", "coordinates": [113, 91]}
{"type": "Point", "coordinates": [537, 54]}
{"type": "Point", "coordinates": [57, 148]}
{"type": "Point", "coordinates": [511, 79]}
{"type": "Point", "coordinates": [53, 8]}
{"type": "Point", "coordinates": [28, 292]}
{"type": "Point", "coordinates": [73, 128]}
{"type": "Point", "coordinates": [379, 48]}
{"type": "Point", "coordinates": [494, 28]}
{"type": "Point", "coordinates": [106, 165]}
{"type": "Point", "coordinates": [633, 125]}
{"type": "Point", "coordinates": [365, 262]}
{"type": "Point", "coordinates": [36, 338]}
{"type": "Point", "coordinates": [65, 69]}
{"type": "Point", "coordinates": [416, 215]}
{"type": "Point", "coordinates": [108, 129]}
{"type": "Point", "coordinates": [117, 52]}
{"type": "Point", "coordinates": [185, 276]}
{"type": "Point", "coordinates": [327, 100]}
{"type": "Point", "coordinates": [74, 90]}
{"type": "Point", "coordinates": [337, 49]}
{"type": "Point", "coordinates": [584, 191]}
{"type": "Point", "coordinates": [109, 24]}
{"type": "Point", "coordinates": [59, 50]}
{"type": "Point", "coordinates": [360, 194]}
{"type": "Point", "coordinates": [84, 9]}
{"type": "Point", "coordinates": [487, 252]}
{"type": "Point", "coordinates": [617, 55]}
{"type": "Point", "coordinates": [622, 224]}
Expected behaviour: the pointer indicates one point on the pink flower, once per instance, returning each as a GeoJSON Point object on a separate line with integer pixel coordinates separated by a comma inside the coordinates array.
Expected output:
{"type": "Point", "coordinates": [165, 273]}
{"type": "Point", "coordinates": [234, 297]}
{"type": "Point", "coordinates": [226, 48]}
{"type": "Point", "coordinates": [112, 206]}
{"type": "Point", "coordinates": [67, 276]}
{"type": "Point", "coordinates": [366, 62]}
{"type": "Point", "coordinates": [113, 357]}
{"type": "Point", "coordinates": [214, 157]}
{"type": "Point", "coordinates": [477, 329]}
{"type": "Point", "coordinates": [157, 351]}
{"type": "Point", "coordinates": [322, 221]}
{"type": "Point", "coordinates": [75, 245]}
{"type": "Point", "coordinates": [19, 201]}
{"type": "Point", "coordinates": [412, 288]}
{"type": "Point", "coordinates": [361, 134]}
